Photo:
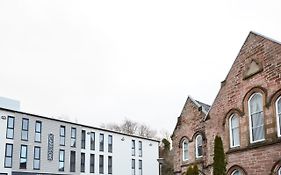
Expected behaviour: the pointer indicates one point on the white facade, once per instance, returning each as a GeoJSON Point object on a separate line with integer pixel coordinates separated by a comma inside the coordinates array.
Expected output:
{"type": "Point", "coordinates": [48, 159]}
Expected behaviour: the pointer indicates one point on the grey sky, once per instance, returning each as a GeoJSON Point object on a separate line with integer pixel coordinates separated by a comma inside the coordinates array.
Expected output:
{"type": "Point", "coordinates": [101, 61]}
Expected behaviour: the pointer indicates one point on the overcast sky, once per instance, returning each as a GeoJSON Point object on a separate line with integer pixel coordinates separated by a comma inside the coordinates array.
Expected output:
{"type": "Point", "coordinates": [101, 61]}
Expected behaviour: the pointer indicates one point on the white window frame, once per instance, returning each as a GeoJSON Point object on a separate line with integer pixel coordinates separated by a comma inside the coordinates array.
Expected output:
{"type": "Point", "coordinates": [278, 118]}
{"type": "Point", "coordinates": [235, 171]}
{"type": "Point", "coordinates": [196, 146]}
{"type": "Point", "coordinates": [183, 150]}
{"type": "Point", "coordinates": [250, 119]}
{"type": "Point", "coordinates": [231, 131]}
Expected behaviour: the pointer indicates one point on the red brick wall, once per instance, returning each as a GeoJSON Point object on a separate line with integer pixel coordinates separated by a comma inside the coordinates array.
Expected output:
{"type": "Point", "coordinates": [254, 158]}
{"type": "Point", "coordinates": [189, 123]}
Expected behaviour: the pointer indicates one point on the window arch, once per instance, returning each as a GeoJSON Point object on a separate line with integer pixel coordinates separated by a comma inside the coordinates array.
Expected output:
{"type": "Point", "coordinates": [185, 150]}
{"type": "Point", "coordinates": [256, 118]}
{"type": "Point", "coordinates": [278, 116]}
{"type": "Point", "coordinates": [234, 131]}
{"type": "Point", "coordinates": [236, 172]}
{"type": "Point", "coordinates": [199, 146]}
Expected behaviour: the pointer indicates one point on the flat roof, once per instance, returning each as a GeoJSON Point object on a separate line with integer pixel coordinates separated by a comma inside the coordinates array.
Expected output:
{"type": "Point", "coordinates": [87, 126]}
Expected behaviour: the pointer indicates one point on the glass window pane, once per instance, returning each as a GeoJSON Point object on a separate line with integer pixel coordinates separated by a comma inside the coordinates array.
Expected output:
{"type": "Point", "coordinates": [37, 137]}
{"type": "Point", "coordinates": [23, 151]}
{"type": "Point", "coordinates": [92, 141]}
{"type": "Point", "coordinates": [92, 163]}
{"type": "Point", "coordinates": [62, 131]}
{"type": "Point", "coordinates": [101, 164]}
{"type": "Point", "coordinates": [101, 142]}
{"type": "Point", "coordinates": [24, 135]}
{"type": "Point", "coordinates": [38, 126]}
{"type": "Point", "coordinates": [25, 124]}
{"type": "Point", "coordinates": [8, 162]}
{"type": "Point", "coordinates": [256, 103]}
{"type": "Point", "coordinates": [36, 164]}
{"type": "Point", "coordinates": [10, 133]}
{"type": "Point", "coordinates": [37, 153]}
{"type": "Point", "coordinates": [109, 165]}
{"type": "Point", "coordinates": [72, 161]}
{"type": "Point", "coordinates": [11, 122]}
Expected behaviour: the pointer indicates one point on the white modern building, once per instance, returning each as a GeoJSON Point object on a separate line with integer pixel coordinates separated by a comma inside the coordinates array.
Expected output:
{"type": "Point", "coordinates": [35, 145]}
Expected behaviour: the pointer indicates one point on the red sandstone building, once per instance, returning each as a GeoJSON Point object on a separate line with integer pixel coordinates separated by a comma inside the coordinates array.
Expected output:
{"type": "Point", "coordinates": [246, 113]}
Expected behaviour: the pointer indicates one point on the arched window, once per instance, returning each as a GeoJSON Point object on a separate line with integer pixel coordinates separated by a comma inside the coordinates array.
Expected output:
{"type": "Point", "coordinates": [256, 120]}
{"type": "Point", "coordinates": [236, 172]}
{"type": "Point", "coordinates": [234, 131]}
{"type": "Point", "coordinates": [185, 150]}
{"type": "Point", "coordinates": [199, 146]}
{"type": "Point", "coordinates": [278, 116]}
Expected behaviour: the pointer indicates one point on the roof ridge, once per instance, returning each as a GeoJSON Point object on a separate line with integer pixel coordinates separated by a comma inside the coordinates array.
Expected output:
{"type": "Point", "coordinates": [266, 37]}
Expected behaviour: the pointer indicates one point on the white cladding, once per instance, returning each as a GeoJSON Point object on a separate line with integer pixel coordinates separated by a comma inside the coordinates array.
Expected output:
{"type": "Point", "coordinates": [121, 153]}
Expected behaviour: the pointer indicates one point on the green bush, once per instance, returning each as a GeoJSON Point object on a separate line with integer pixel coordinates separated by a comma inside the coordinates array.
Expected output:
{"type": "Point", "coordinates": [192, 170]}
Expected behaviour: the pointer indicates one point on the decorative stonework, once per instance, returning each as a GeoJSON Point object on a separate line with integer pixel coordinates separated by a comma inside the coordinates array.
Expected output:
{"type": "Point", "coordinates": [253, 68]}
{"type": "Point", "coordinates": [50, 146]}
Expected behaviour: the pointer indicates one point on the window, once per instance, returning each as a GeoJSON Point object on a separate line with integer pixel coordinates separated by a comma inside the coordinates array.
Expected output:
{"type": "Point", "coordinates": [73, 137]}
{"type": "Point", "coordinates": [133, 167]}
{"type": "Point", "coordinates": [133, 147]}
{"type": "Point", "coordinates": [278, 115]}
{"type": "Point", "coordinates": [82, 162]}
{"type": "Point", "coordinates": [62, 135]}
{"type": "Point", "coordinates": [234, 131]}
{"type": "Point", "coordinates": [10, 127]}
{"type": "Point", "coordinates": [199, 146]}
{"type": "Point", "coordinates": [92, 141]}
{"type": "Point", "coordinates": [61, 160]}
{"type": "Point", "coordinates": [140, 167]}
{"type": "Point", "coordinates": [109, 165]}
{"type": "Point", "coordinates": [23, 156]}
{"type": "Point", "coordinates": [236, 172]}
{"type": "Point", "coordinates": [83, 139]}
{"type": "Point", "coordinates": [38, 130]}
{"type": "Point", "coordinates": [8, 156]}
{"type": "Point", "coordinates": [256, 118]}
{"type": "Point", "coordinates": [279, 171]}
{"type": "Point", "coordinates": [72, 161]}
{"type": "Point", "coordinates": [140, 148]}
{"type": "Point", "coordinates": [110, 143]}
{"type": "Point", "coordinates": [101, 142]}
{"type": "Point", "coordinates": [92, 163]}
{"type": "Point", "coordinates": [185, 150]}
{"type": "Point", "coordinates": [101, 163]}
{"type": "Point", "coordinates": [36, 159]}
{"type": "Point", "coordinates": [24, 129]}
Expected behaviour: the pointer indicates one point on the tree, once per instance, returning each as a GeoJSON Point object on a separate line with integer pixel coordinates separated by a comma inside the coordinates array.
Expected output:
{"type": "Point", "coordinates": [131, 127]}
{"type": "Point", "coordinates": [189, 171]}
{"type": "Point", "coordinates": [166, 154]}
{"type": "Point", "coordinates": [192, 170]}
{"type": "Point", "coordinates": [219, 165]}
{"type": "Point", "coordinates": [195, 170]}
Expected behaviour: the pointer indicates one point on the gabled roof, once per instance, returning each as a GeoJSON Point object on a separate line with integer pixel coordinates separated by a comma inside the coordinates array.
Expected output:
{"type": "Point", "coordinates": [201, 106]}
{"type": "Point", "coordinates": [237, 57]}
{"type": "Point", "coordinates": [205, 107]}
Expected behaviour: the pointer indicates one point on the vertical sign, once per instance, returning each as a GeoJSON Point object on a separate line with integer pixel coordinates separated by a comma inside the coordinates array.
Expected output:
{"type": "Point", "coordinates": [50, 146]}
